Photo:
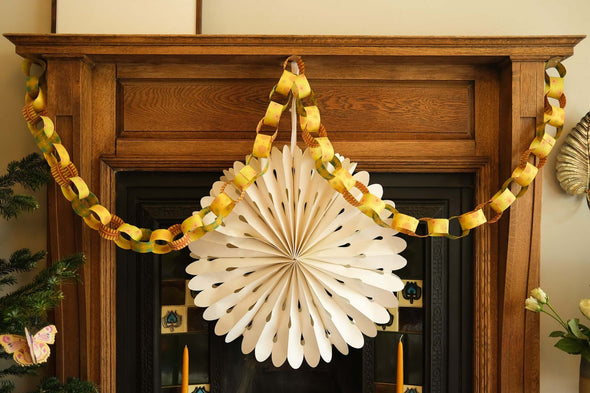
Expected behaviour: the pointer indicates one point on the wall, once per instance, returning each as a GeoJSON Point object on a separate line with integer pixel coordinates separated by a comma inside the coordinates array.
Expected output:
{"type": "Point", "coordinates": [28, 231]}
{"type": "Point", "coordinates": [566, 220]}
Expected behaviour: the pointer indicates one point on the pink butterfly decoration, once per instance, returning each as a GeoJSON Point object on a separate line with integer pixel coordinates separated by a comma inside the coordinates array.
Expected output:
{"type": "Point", "coordinates": [30, 349]}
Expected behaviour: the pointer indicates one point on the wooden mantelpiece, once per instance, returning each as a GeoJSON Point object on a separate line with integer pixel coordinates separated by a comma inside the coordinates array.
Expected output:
{"type": "Point", "coordinates": [394, 104]}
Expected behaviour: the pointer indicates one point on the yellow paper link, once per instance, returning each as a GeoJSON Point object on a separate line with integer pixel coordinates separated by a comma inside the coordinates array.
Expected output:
{"type": "Point", "coordinates": [273, 114]}
{"type": "Point", "coordinates": [342, 180]}
{"type": "Point", "coordinates": [81, 186]}
{"type": "Point", "coordinates": [311, 120]}
{"type": "Point", "coordinates": [322, 169]}
{"type": "Point", "coordinates": [244, 178]}
{"type": "Point", "coordinates": [63, 158]}
{"type": "Point", "coordinates": [300, 87]}
{"type": "Point", "coordinates": [502, 200]}
{"type": "Point", "coordinates": [555, 117]}
{"type": "Point", "coordinates": [163, 235]}
{"type": "Point", "coordinates": [324, 151]}
{"type": "Point", "coordinates": [404, 223]}
{"type": "Point", "coordinates": [541, 146]}
{"type": "Point", "coordinates": [437, 226]}
{"type": "Point", "coordinates": [91, 222]}
{"type": "Point", "coordinates": [32, 86]}
{"type": "Point", "coordinates": [38, 103]}
{"type": "Point", "coordinates": [132, 231]}
{"type": "Point", "coordinates": [82, 206]}
{"type": "Point", "coordinates": [525, 176]}
{"type": "Point", "coordinates": [68, 193]}
{"type": "Point", "coordinates": [472, 219]}
{"type": "Point", "coordinates": [44, 143]}
{"type": "Point", "coordinates": [262, 146]}
{"type": "Point", "coordinates": [554, 86]}
{"type": "Point", "coordinates": [371, 205]}
{"type": "Point", "coordinates": [285, 83]}
{"type": "Point", "coordinates": [191, 223]}
{"type": "Point", "coordinates": [213, 225]}
{"type": "Point", "coordinates": [104, 216]}
{"type": "Point", "coordinates": [222, 205]}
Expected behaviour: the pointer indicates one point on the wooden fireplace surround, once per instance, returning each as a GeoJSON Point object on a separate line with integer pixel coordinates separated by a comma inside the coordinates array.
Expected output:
{"type": "Point", "coordinates": [393, 104]}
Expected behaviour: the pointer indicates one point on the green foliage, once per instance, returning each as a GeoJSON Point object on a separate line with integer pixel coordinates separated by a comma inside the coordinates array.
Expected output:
{"type": "Point", "coordinates": [27, 306]}
{"type": "Point", "coordinates": [570, 345]}
{"type": "Point", "coordinates": [73, 385]}
{"type": "Point", "coordinates": [575, 337]}
{"type": "Point", "coordinates": [31, 173]}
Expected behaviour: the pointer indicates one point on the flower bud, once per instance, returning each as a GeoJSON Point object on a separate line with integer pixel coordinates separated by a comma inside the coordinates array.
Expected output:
{"type": "Point", "coordinates": [532, 304]}
{"type": "Point", "coordinates": [585, 307]}
{"type": "Point", "coordinates": [540, 295]}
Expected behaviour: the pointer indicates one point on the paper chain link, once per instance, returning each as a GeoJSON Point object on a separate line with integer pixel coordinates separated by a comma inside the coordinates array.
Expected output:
{"type": "Point", "coordinates": [290, 86]}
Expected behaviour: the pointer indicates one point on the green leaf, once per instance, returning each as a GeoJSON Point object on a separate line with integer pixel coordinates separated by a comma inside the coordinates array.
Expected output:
{"type": "Point", "coordinates": [574, 329]}
{"type": "Point", "coordinates": [571, 345]}
{"type": "Point", "coordinates": [586, 353]}
{"type": "Point", "coordinates": [557, 333]}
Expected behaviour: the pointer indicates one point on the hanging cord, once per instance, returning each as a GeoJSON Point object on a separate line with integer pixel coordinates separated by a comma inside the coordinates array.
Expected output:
{"type": "Point", "coordinates": [294, 70]}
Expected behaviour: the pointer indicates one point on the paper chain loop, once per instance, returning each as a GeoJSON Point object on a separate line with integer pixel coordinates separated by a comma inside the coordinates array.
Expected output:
{"type": "Point", "coordinates": [290, 86]}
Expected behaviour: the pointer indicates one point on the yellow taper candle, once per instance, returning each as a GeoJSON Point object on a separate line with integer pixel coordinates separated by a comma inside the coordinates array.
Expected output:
{"type": "Point", "coordinates": [184, 388]}
{"type": "Point", "coordinates": [399, 384]}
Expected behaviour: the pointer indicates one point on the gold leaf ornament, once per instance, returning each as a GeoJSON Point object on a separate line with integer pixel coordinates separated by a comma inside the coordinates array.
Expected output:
{"type": "Point", "coordinates": [573, 160]}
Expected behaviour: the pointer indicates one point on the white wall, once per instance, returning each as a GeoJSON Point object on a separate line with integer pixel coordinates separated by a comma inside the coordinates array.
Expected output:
{"type": "Point", "coordinates": [565, 268]}
{"type": "Point", "coordinates": [19, 16]}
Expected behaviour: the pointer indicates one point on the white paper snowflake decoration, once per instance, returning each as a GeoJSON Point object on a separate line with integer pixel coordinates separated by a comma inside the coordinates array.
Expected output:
{"type": "Point", "coordinates": [295, 268]}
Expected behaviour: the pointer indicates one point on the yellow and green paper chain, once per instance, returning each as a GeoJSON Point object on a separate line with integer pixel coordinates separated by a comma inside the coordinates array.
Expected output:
{"type": "Point", "coordinates": [290, 85]}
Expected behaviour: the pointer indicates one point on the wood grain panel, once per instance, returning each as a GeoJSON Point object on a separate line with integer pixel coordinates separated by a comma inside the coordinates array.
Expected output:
{"type": "Point", "coordinates": [384, 110]}
{"type": "Point", "coordinates": [345, 67]}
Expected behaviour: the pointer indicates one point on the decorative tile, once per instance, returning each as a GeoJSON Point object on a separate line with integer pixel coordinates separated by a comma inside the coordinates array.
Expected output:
{"type": "Point", "coordinates": [204, 388]}
{"type": "Point", "coordinates": [409, 389]}
{"type": "Point", "coordinates": [393, 324]}
{"type": "Point", "coordinates": [173, 319]}
{"type": "Point", "coordinates": [412, 294]}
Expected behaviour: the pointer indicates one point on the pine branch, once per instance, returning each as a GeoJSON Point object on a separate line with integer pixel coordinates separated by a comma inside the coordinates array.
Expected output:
{"type": "Point", "coordinates": [6, 386]}
{"type": "Point", "coordinates": [31, 173]}
{"type": "Point", "coordinates": [20, 370]}
{"type": "Point", "coordinates": [27, 306]}
{"type": "Point", "coordinates": [21, 261]}
{"type": "Point", "coordinates": [4, 355]}
{"type": "Point", "coordinates": [73, 385]}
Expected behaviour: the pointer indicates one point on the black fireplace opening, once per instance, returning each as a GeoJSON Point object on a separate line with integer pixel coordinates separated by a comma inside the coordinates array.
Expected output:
{"type": "Point", "coordinates": [156, 317]}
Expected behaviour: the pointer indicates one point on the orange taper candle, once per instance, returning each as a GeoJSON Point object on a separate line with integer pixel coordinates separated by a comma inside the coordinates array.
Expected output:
{"type": "Point", "coordinates": [184, 386]}
{"type": "Point", "coordinates": [399, 384]}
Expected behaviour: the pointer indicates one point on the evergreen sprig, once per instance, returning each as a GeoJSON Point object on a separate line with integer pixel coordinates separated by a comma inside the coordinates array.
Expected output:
{"type": "Point", "coordinates": [31, 173]}
{"type": "Point", "coordinates": [27, 306]}
{"type": "Point", "coordinates": [72, 385]}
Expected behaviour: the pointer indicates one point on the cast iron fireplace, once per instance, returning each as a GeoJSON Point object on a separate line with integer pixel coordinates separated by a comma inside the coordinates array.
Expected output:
{"type": "Point", "coordinates": [439, 335]}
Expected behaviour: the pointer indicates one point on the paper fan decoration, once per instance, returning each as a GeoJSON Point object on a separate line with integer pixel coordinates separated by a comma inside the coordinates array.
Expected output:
{"type": "Point", "coordinates": [295, 268]}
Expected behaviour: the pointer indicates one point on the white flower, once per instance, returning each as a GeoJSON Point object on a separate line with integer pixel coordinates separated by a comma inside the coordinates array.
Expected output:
{"type": "Point", "coordinates": [585, 307]}
{"type": "Point", "coordinates": [540, 295]}
{"type": "Point", "coordinates": [532, 304]}
{"type": "Point", "coordinates": [295, 269]}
